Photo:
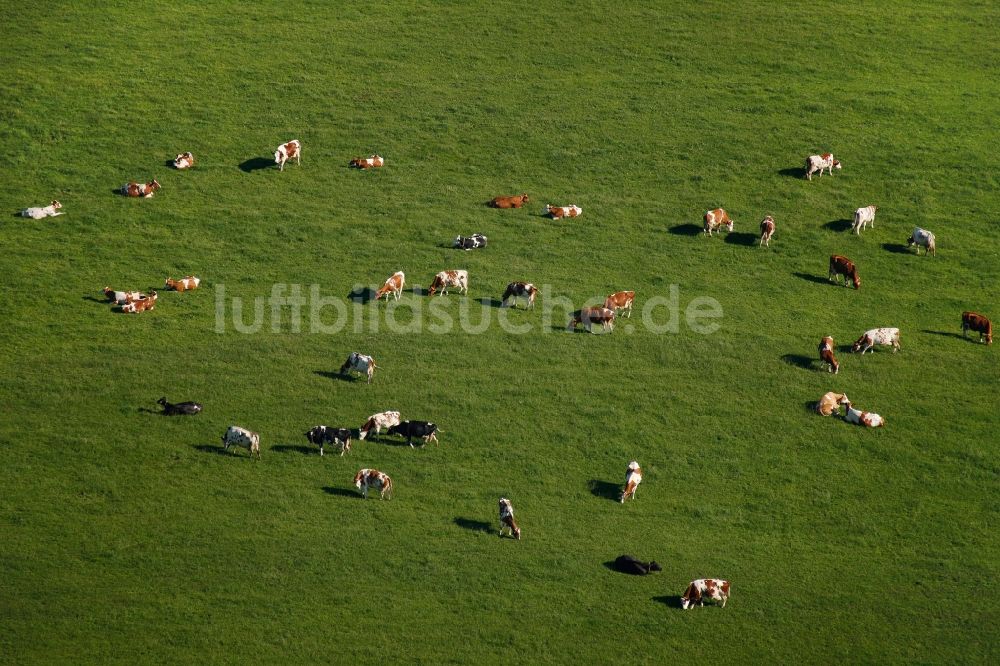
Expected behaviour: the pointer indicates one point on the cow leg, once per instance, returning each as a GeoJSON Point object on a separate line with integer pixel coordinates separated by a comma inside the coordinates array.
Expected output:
{"type": "Point", "coordinates": [409, 440]}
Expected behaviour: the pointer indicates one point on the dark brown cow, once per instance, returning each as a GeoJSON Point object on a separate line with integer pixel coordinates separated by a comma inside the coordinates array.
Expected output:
{"type": "Point", "coordinates": [979, 324]}
{"type": "Point", "coordinates": [588, 316]}
{"type": "Point", "coordinates": [515, 201]}
{"type": "Point", "coordinates": [843, 266]}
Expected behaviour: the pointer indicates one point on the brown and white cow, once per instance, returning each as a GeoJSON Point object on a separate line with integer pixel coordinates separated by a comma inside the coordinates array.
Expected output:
{"type": "Point", "coordinates": [184, 161]}
{"type": "Point", "coordinates": [843, 266]}
{"type": "Point", "coordinates": [446, 279]}
{"type": "Point", "coordinates": [858, 417]}
{"type": "Point", "coordinates": [516, 290]}
{"type": "Point", "coordinates": [979, 324]}
{"type": "Point", "coordinates": [863, 217]}
{"type": "Point", "coordinates": [146, 190]}
{"type": "Point", "coordinates": [633, 477]}
{"type": "Point", "coordinates": [507, 521]}
{"type": "Point", "coordinates": [620, 300]}
{"type": "Point", "coordinates": [370, 162]}
{"type": "Point", "coordinates": [359, 363]}
{"type": "Point", "coordinates": [37, 213]}
{"type": "Point", "coordinates": [826, 355]}
{"type": "Point", "coordinates": [287, 151]}
{"type": "Point", "coordinates": [588, 316]}
{"type": "Point", "coordinates": [923, 238]}
{"type": "Point", "coordinates": [184, 284]}
{"type": "Point", "coordinates": [393, 285]}
{"type": "Point", "coordinates": [378, 421]}
{"type": "Point", "coordinates": [559, 212]}
{"type": "Point", "coordinates": [515, 201]}
{"type": "Point", "coordinates": [830, 403]}
{"type": "Point", "coordinates": [717, 219]}
{"type": "Point", "coordinates": [766, 231]}
{"type": "Point", "coordinates": [140, 304]}
{"type": "Point", "coordinates": [372, 478]}
{"type": "Point", "coordinates": [122, 297]}
{"type": "Point", "coordinates": [816, 163]}
{"type": "Point", "coordinates": [877, 336]}
{"type": "Point", "coordinates": [699, 590]}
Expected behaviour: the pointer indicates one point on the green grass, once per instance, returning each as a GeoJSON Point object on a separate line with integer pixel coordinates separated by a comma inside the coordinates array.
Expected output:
{"type": "Point", "coordinates": [125, 537]}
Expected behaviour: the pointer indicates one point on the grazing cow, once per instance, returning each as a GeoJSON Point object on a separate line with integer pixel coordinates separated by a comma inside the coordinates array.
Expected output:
{"type": "Point", "coordinates": [38, 213]}
{"type": "Point", "coordinates": [826, 355]}
{"type": "Point", "coordinates": [630, 565]}
{"type": "Point", "coordinates": [322, 434]}
{"type": "Point", "coordinates": [236, 436]}
{"type": "Point", "coordinates": [287, 151]}
{"type": "Point", "coordinates": [979, 324]}
{"type": "Point", "coordinates": [373, 478]}
{"type": "Point", "coordinates": [516, 290]}
{"type": "Point", "coordinates": [446, 279]}
{"type": "Point", "coordinates": [766, 231]}
{"type": "Point", "coordinates": [858, 417]}
{"type": "Point", "coordinates": [633, 477]}
{"type": "Point", "coordinates": [507, 521]}
{"type": "Point", "coordinates": [863, 217]}
{"type": "Point", "coordinates": [877, 336]}
{"type": "Point", "coordinates": [378, 421]}
{"type": "Point", "coordinates": [176, 409]}
{"type": "Point", "coordinates": [122, 297]}
{"type": "Point", "coordinates": [146, 190]}
{"type": "Point", "coordinates": [816, 163]}
{"type": "Point", "coordinates": [140, 304]}
{"type": "Point", "coordinates": [715, 589]}
{"type": "Point", "coordinates": [425, 430]}
{"type": "Point", "coordinates": [515, 201]}
{"type": "Point", "coordinates": [184, 284]}
{"type": "Point", "coordinates": [184, 161]}
{"type": "Point", "coordinates": [559, 212]}
{"type": "Point", "coordinates": [359, 363]}
{"type": "Point", "coordinates": [922, 238]}
{"type": "Point", "coordinates": [620, 300]}
{"type": "Point", "coordinates": [843, 266]}
{"type": "Point", "coordinates": [588, 316]}
{"type": "Point", "coordinates": [830, 403]}
{"type": "Point", "coordinates": [371, 162]}
{"type": "Point", "coordinates": [716, 219]}
{"type": "Point", "coordinates": [470, 242]}
{"type": "Point", "coordinates": [393, 285]}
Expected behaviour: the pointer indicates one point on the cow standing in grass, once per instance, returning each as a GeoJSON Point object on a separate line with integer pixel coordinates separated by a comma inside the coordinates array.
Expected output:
{"type": "Point", "coordinates": [507, 521]}
{"type": "Point", "coordinates": [633, 477]}
{"type": "Point", "coordinates": [372, 478]}
{"type": "Point", "coordinates": [243, 438]}
{"type": "Point", "coordinates": [826, 355]}
{"type": "Point", "coordinates": [288, 151]}
{"type": "Point", "coordinates": [717, 219]}
{"type": "Point", "coordinates": [516, 290]}
{"type": "Point", "coordinates": [359, 363]}
{"type": "Point", "coordinates": [820, 163]}
{"type": "Point", "coordinates": [922, 238]}
{"type": "Point", "coordinates": [978, 324]}
{"type": "Point", "coordinates": [863, 217]}
{"type": "Point", "coordinates": [393, 285]}
{"type": "Point", "coordinates": [377, 422]}
{"type": "Point", "coordinates": [699, 590]}
{"type": "Point", "coordinates": [321, 435]}
{"type": "Point", "coordinates": [766, 231]}
{"type": "Point", "coordinates": [877, 336]}
{"type": "Point", "coordinates": [843, 266]}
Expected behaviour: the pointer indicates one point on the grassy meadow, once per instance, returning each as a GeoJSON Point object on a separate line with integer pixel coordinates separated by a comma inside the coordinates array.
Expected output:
{"type": "Point", "coordinates": [127, 537]}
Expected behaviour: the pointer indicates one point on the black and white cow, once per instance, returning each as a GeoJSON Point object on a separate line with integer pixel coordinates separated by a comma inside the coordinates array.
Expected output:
{"type": "Point", "coordinates": [425, 430]}
{"type": "Point", "coordinates": [359, 363]}
{"type": "Point", "coordinates": [321, 434]}
{"type": "Point", "coordinates": [470, 242]}
{"type": "Point", "coordinates": [237, 436]}
{"type": "Point", "coordinates": [179, 408]}
{"type": "Point", "coordinates": [516, 290]}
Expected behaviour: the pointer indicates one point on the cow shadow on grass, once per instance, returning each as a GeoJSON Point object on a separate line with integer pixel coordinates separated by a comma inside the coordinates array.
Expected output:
{"type": "Point", "coordinates": [793, 172]}
{"type": "Point", "coordinates": [95, 299]}
{"type": "Point", "coordinates": [949, 334]}
{"type": "Point", "coordinates": [839, 226]}
{"type": "Point", "coordinates": [418, 291]}
{"type": "Point", "coordinates": [810, 406]}
{"type": "Point", "coordinates": [473, 525]}
{"type": "Point", "coordinates": [686, 230]}
{"type": "Point", "coordinates": [741, 238]}
{"type": "Point", "coordinates": [212, 448]}
{"type": "Point", "coordinates": [255, 164]}
{"type": "Point", "coordinates": [491, 302]}
{"type": "Point", "coordinates": [296, 448]}
{"type": "Point", "coordinates": [670, 600]}
{"type": "Point", "coordinates": [605, 490]}
{"type": "Point", "coordinates": [799, 361]}
{"type": "Point", "coordinates": [818, 279]}
{"type": "Point", "coordinates": [341, 492]}
{"type": "Point", "coordinates": [896, 248]}
{"type": "Point", "coordinates": [361, 295]}
{"type": "Point", "coordinates": [335, 375]}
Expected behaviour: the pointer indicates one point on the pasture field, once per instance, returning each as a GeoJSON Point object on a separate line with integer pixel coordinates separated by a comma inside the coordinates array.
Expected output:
{"type": "Point", "coordinates": [125, 537]}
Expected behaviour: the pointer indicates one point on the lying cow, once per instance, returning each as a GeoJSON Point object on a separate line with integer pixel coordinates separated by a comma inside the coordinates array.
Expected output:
{"type": "Point", "coordinates": [588, 316]}
{"type": "Point", "coordinates": [699, 590]}
{"type": "Point", "coordinates": [47, 211]}
{"type": "Point", "coordinates": [843, 266]}
{"type": "Point", "coordinates": [830, 403]}
{"type": "Point", "coordinates": [393, 285]}
{"type": "Point", "coordinates": [507, 521]}
{"type": "Point", "coordinates": [446, 279]}
{"type": "Point", "coordinates": [633, 477]}
{"type": "Point", "coordinates": [559, 212]}
{"type": "Point", "coordinates": [766, 231]}
{"type": "Point", "coordinates": [184, 161]}
{"type": "Point", "coordinates": [816, 163]}
{"type": "Point", "coordinates": [922, 238]}
{"type": "Point", "coordinates": [877, 336]}
{"type": "Point", "coordinates": [630, 565]}
{"type": "Point", "coordinates": [826, 355]}
{"type": "Point", "coordinates": [863, 217]}
{"type": "Point", "coordinates": [241, 437]}
{"type": "Point", "coordinates": [372, 478]}
{"type": "Point", "coordinates": [378, 421]}
{"type": "Point", "coordinates": [717, 219]}
{"type": "Point", "coordinates": [858, 417]}
{"type": "Point", "coordinates": [516, 290]}
{"type": "Point", "coordinates": [359, 363]}
{"type": "Point", "coordinates": [145, 190]}
{"type": "Point", "coordinates": [184, 284]}
{"type": "Point", "coordinates": [287, 151]}
{"type": "Point", "coordinates": [979, 324]}
{"type": "Point", "coordinates": [122, 297]}
{"type": "Point", "coordinates": [140, 304]}
{"type": "Point", "coordinates": [515, 201]}
{"type": "Point", "coordinates": [370, 162]}
{"type": "Point", "coordinates": [620, 300]}
{"type": "Point", "coordinates": [425, 430]}
{"type": "Point", "coordinates": [179, 408]}
{"type": "Point", "coordinates": [321, 435]}
{"type": "Point", "coordinates": [472, 242]}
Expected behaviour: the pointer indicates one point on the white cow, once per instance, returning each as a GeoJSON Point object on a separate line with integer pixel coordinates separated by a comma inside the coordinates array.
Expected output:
{"type": "Point", "coordinates": [922, 238]}
{"type": "Point", "coordinates": [38, 213]}
{"type": "Point", "coordinates": [236, 436]}
{"type": "Point", "coordinates": [378, 421]}
{"type": "Point", "coordinates": [816, 163]}
{"type": "Point", "coordinates": [863, 217]}
{"type": "Point", "coordinates": [359, 363]}
{"type": "Point", "coordinates": [507, 519]}
{"type": "Point", "coordinates": [869, 419]}
{"type": "Point", "coordinates": [877, 336]}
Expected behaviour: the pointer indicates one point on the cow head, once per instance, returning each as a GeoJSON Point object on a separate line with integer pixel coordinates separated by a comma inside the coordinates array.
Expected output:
{"type": "Point", "coordinates": [863, 341]}
{"type": "Point", "coordinates": [55, 204]}
{"type": "Point", "coordinates": [836, 164]}
{"type": "Point", "coordinates": [395, 430]}
{"type": "Point", "coordinates": [856, 279]}
{"type": "Point", "coordinates": [691, 596]}
{"type": "Point", "coordinates": [278, 154]}
{"type": "Point", "coordinates": [655, 566]}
